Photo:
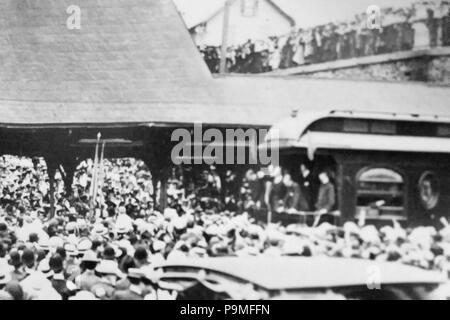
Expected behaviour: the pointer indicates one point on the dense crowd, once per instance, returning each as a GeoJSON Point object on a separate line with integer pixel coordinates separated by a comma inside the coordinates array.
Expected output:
{"type": "Point", "coordinates": [110, 252]}
{"type": "Point", "coordinates": [424, 24]}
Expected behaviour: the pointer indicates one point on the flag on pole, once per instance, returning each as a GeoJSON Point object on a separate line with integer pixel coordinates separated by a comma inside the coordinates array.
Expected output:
{"type": "Point", "coordinates": [101, 173]}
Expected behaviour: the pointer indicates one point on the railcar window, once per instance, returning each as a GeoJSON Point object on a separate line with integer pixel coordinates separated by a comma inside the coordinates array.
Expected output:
{"type": "Point", "coordinates": [383, 127]}
{"type": "Point", "coordinates": [429, 190]}
{"type": "Point", "coordinates": [328, 125]}
{"type": "Point", "coordinates": [380, 193]}
{"type": "Point", "coordinates": [443, 130]}
{"type": "Point", "coordinates": [417, 129]}
{"type": "Point", "coordinates": [355, 125]}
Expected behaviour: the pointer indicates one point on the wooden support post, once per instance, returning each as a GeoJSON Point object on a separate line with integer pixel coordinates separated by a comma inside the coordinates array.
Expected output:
{"type": "Point", "coordinates": [148, 160]}
{"type": "Point", "coordinates": [51, 170]}
{"type": "Point", "coordinates": [163, 189]}
{"type": "Point", "coordinates": [155, 180]}
{"type": "Point", "coordinates": [161, 176]}
{"type": "Point", "coordinates": [68, 181]}
{"type": "Point", "coordinates": [69, 167]}
{"type": "Point", "coordinates": [156, 155]}
{"type": "Point", "coordinates": [69, 176]}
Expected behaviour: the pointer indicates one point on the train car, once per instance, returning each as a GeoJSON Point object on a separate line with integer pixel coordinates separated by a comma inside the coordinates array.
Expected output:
{"type": "Point", "coordinates": [384, 166]}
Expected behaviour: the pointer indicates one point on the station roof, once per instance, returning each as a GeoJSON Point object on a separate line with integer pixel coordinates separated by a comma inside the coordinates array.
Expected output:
{"type": "Point", "coordinates": [128, 60]}
{"type": "Point", "coordinates": [243, 101]}
{"type": "Point", "coordinates": [134, 63]}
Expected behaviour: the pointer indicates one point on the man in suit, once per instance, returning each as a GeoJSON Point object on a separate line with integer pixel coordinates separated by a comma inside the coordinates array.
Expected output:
{"type": "Point", "coordinates": [326, 196]}
{"type": "Point", "coordinates": [109, 273]}
{"type": "Point", "coordinates": [88, 278]}
{"type": "Point", "coordinates": [28, 261]}
{"type": "Point", "coordinates": [326, 199]}
{"type": "Point", "coordinates": [18, 274]}
{"type": "Point", "coordinates": [293, 200]}
{"type": "Point", "coordinates": [64, 287]}
{"type": "Point", "coordinates": [306, 184]}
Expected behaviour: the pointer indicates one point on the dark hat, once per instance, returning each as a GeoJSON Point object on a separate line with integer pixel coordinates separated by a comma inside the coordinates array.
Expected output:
{"type": "Point", "coordinates": [3, 249]}
{"type": "Point", "coordinates": [141, 253]}
{"type": "Point", "coordinates": [14, 258]}
{"type": "Point", "coordinates": [56, 263]}
{"type": "Point", "coordinates": [40, 254]}
{"type": "Point", "coordinates": [28, 257]}
{"type": "Point", "coordinates": [109, 253]}
{"type": "Point", "coordinates": [61, 252]}
{"type": "Point", "coordinates": [33, 237]}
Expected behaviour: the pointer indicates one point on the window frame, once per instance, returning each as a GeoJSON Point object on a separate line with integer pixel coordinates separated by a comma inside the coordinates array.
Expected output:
{"type": "Point", "coordinates": [438, 195]}
{"type": "Point", "coordinates": [403, 215]}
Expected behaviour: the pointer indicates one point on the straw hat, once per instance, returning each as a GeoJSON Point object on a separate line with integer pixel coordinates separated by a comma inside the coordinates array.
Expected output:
{"type": "Point", "coordinates": [84, 295]}
{"type": "Point", "coordinates": [90, 256]}
{"type": "Point", "coordinates": [44, 267]}
{"type": "Point", "coordinates": [109, 267]}
{"type": "Point", "coordinates": [99, 230]}
{"type": "Point", "coordinates": [71, 249]}
{"type": "Point", "coordinates": [84, 245]}
{"type": "Point", "coordinates": [5, 277]}
{"type": "Point", "coordinates": [56, 242]}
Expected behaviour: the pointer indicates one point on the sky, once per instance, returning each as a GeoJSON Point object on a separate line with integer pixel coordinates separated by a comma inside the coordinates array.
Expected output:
{"type": "Point", "coordinates": [195, 11]}
{"type": "Point", "coordinates": [307, 13]}
{"type": "Point", "coordinates": [315, 12]}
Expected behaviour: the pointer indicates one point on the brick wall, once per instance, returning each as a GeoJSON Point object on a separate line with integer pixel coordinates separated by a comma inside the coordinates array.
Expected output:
{"type": "Point", "coordinates": [436, 70]}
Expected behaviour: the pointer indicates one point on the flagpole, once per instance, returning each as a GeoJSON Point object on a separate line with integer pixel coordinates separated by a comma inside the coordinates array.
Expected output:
{"type": "Point", "coordinates": [94, 173]}
{"type": "Point", "coordinates": [226, 22]}
{"type": "Point", "coordinates": [100, 175]}
{"type": "Point", "coordinates": [101, 162]}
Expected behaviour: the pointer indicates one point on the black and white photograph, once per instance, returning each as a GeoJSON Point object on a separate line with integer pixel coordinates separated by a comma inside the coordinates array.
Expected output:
{"type": "Point", "coordinates": [237, 150]}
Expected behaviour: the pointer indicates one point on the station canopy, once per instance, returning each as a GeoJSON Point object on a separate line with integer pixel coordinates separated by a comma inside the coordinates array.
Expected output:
{"type": "Point", "coordinates": [133, 63]}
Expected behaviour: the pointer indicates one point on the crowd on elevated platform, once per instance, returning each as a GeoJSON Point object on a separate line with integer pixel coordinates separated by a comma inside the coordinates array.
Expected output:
{"type": "Point", "coordinates": [109, 251]}
{"type": "Point", "coordinates": [420, 26]}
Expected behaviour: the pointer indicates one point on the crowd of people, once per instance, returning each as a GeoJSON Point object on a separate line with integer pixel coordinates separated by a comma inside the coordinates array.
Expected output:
{"type": "Point", "coordinates": [110, 252]}
{"type": "Point", "coordinates": [401, 30]}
